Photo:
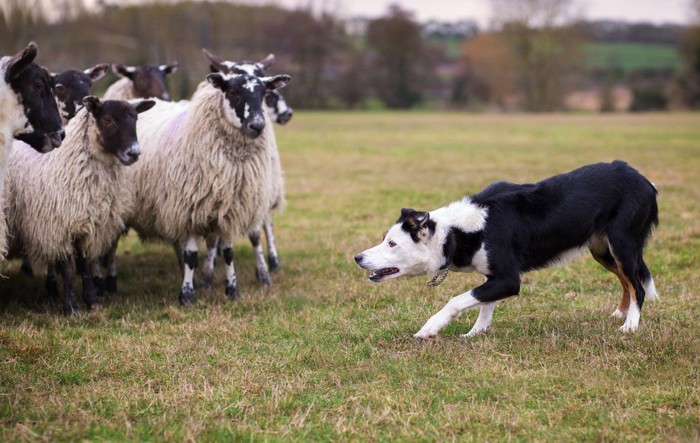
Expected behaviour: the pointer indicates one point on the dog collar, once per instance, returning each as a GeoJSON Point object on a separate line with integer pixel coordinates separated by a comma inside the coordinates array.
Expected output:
{"type": "Point", "coordinates": [439, 278]}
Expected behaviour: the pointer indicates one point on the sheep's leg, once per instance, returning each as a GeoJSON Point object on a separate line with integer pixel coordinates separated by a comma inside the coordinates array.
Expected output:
{"type": "Point", "coordinates": [26, 268]}
{"type": "Point", "coordinates": [51, 284]}
{"type": "Point", "coordinates": [89, 291]}
{"type": "Point", "coordinates": [273, 258]}
{"type": "Point", "coordinates": [210, 261]}
{"type": "Point", "coordinates": [97, 280]}
{"type": "Point", "coordinates": [260, 264]}
{"type": "Point", "coordinates": [70, 305]}
{"type": "Point", "coordinates": [231, 282]}
{"type": "Point", "coordinates": [189, 258]}
{"type": "Point", "coordinates": [109, 261]}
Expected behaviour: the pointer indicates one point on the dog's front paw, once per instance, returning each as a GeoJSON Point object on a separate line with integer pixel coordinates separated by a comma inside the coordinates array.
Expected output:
{"type": "Point", "coordinates": [474, 331]}
{"type": "Point", "coordinates": [426, 332]}
{"type": "Point", "coordinates": [629, 327]}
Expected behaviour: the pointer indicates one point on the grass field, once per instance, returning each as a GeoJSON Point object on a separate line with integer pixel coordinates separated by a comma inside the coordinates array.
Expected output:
{"type": "Point", "coordinates": [326, 355]}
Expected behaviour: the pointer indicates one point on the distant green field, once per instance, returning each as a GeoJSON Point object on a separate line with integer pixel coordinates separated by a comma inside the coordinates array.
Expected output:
{"type": "Point", "coordinates": [325, 355]}
{"type": "Point", "coordinates": [632, 56]}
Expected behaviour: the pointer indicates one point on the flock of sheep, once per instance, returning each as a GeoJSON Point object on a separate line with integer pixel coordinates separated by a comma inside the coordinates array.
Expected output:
{"type": "Point", "coordinates": [177, 172]}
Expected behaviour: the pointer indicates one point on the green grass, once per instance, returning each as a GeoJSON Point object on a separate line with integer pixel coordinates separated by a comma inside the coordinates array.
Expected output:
{"type": "Point", "coordinates": [325, 355]}
{"type": "Point", "coordinates": [632, 56]}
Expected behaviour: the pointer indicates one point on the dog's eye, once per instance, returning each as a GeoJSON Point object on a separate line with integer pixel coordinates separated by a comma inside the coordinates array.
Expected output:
{"type": "Point", "coordinates": [391, 244]}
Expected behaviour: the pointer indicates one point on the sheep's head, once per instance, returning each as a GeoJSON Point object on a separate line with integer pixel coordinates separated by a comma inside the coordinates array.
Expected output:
{"type": "Point", "coordinates": [116, 126]}
{"type": "Point", "coordinates": [148, 80]}
{"type": "Point", "coordinates": [243, 98]}
{"type": "Point", "coordinates": [32, 84]}
{"type": "Point", "coordinates": [71, 86]}
{"type": "Point", "coordinates": [275, 103]}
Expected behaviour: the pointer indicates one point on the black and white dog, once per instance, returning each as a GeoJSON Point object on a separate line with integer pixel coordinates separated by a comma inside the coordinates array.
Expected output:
{"type": "Point", "coordinates": [508, 229]}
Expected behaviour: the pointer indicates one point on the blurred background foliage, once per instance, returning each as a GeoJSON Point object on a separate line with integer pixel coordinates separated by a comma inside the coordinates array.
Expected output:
{"type": "Point", "coordinates": [537, 55]}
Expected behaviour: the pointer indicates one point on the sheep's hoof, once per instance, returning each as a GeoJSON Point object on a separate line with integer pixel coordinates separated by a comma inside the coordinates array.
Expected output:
{"type": "Point", "coordinates": [186, 297]}
{"type": "Point", "coordinates": [232, 292]}
{"type": "Point", "coordinates": [94, 306]}
{"type": "Point", "coordinates": [99, 284]}
{"type": "Point", "coordinates": [207, 281]}
{"type": "Point", "coordinates": [70, 311]}
{"type": "Point", "coordinates": [111, 285]}
{"type": "Point", "coordinates": [263, 277]}
{"type": "Point", "coordinates": [273, 262]}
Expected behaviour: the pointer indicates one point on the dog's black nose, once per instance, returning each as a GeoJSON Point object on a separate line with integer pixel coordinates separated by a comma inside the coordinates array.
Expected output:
{"type": "Point", "coordinates": [359, 258]}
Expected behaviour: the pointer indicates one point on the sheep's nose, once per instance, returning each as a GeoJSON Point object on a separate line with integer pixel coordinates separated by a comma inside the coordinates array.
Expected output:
{"type": "Point", "coordinates": [359, 258]}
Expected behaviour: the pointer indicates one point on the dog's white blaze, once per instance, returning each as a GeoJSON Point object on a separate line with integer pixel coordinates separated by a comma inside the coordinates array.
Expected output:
{"type": "Point", "coordinates": [454, 308]}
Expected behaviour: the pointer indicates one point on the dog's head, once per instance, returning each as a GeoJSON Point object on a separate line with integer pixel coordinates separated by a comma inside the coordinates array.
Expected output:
{"type": "Point", "coordinates": [406, 249]}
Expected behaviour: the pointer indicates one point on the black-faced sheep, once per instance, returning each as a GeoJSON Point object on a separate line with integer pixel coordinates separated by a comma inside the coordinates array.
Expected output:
{"type": "Point", "coordinates": [144, 81]}
{"type": "Point", "coordinates": [27, 108]}
{"type": "Point", "coordinates": [70, 203]}
{"type": "Point", "coordinates": [205, 169]}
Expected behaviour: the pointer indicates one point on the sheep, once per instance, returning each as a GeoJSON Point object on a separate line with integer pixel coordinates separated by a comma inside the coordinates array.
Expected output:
{"type": "Point", "coordinates": [205, 170]}
{"type": "Point", "coordinates": [69, 88]}
{"type": "Point", "coordinates": [277, 110]}
{"type": "Point", "coordinates": [70, 203]}
{"type": "Point", "coordinates": [143, 81]}
{"type": "Point", "coordinates": [27, 109]}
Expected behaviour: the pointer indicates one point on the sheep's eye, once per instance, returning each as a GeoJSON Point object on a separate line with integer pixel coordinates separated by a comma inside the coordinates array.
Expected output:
{"type": "Point", "coordinates": [391, 243]}
{"type": "Point", "coordinates": [108, 120]}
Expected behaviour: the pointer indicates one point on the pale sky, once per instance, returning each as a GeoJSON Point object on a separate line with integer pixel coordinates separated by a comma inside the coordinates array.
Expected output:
{"type": "Point", "coordinates": [655, 11]}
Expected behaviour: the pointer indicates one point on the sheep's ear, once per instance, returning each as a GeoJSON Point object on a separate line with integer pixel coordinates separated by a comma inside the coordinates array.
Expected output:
{"type": "Point", "coordinates": [217, 80]}
{"type": "Point", "coordinates": [124, 71]}
{"type": "Point", "coordinates": [51, 77]}
{"type": "Point", "coordinates": [92, 104]}
{"type": "Point", "coordinates": [144, 105]}
{"type": "Point", "coordinates": [60, 91]}
{"type": "Point", "coordinates": [20, 61]}
{"type": "Point", "coordinates": [276, 82]}
{"type": "Point", "coordinates": [267, 61]}
{"type": "Point", "coordinates": [169, 69]}
{"type": "Point", "coordinates": [97, 71]}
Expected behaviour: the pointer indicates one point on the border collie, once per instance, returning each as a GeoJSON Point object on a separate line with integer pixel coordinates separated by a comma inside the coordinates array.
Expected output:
{"type": "Point", "coordinates": [507, 229]}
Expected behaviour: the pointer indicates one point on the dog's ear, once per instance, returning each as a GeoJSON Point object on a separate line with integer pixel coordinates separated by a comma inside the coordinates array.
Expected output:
{"type": "Point", "coordinates": [417, 223]}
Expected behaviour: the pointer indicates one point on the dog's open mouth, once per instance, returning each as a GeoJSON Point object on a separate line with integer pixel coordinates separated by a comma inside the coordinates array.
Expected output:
{"type": "Point", "coordinates": [380, 274]}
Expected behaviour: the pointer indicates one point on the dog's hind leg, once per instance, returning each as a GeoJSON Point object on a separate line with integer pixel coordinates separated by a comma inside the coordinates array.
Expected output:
{"type": "Point", "coordinates": [484, 319]}
{"type": "Point", "coordinates": [627, 256]}
{"type": "Point", "coordinates": [603, 256]}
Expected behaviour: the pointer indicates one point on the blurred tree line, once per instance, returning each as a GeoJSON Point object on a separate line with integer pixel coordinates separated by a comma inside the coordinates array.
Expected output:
{"type": "Point", "coordinates": [534, 56]}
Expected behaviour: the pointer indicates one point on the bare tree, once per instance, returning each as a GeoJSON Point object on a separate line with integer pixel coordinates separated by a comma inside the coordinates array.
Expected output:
{"type": "Point", "coordinates": [546, 49]}
{"type": "Point", "coordinates": [400, 57]}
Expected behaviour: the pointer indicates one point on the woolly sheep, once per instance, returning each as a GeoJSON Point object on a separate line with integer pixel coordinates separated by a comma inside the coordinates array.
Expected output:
{"type": "Point", "coordinates": [277, 110]}
{"type": "Point", "coordinates": [205, 170]}
{"type": "Point", "coordinates": [27, 108]}
{"type": "Point", "coordinates": [144, 81]}
{"type": "Point", "coordinates": [69, 88]}
{"type": "Point", "coordinates": [70, 203]}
